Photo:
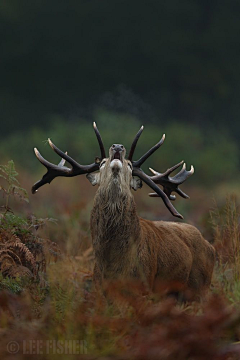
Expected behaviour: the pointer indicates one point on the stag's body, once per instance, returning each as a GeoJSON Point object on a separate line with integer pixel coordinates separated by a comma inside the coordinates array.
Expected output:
{"type": "Point", "coordinates": [126, 246]}
{"type": "Point", "coordinates": [158, 253]}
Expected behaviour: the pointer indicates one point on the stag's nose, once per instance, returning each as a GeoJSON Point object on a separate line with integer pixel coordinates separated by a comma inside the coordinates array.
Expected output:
{"type": "Point", "coordinates": [117, 147]}
{"type": "Point", "coordinates": [117, 152]}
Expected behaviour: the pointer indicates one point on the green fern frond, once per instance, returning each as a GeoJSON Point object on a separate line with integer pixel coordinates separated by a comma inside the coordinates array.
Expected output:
{"type": "Point", "coordinates": [13, 188]}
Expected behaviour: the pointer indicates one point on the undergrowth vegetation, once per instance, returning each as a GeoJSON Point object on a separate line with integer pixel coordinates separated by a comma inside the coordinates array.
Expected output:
{"type": "Point", "coordinates": [50, 309]}
{"type": "Point", "coordinates": [22, 251]}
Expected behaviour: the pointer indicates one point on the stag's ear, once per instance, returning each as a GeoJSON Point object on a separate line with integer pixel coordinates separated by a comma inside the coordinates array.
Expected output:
{"type": "Point", "coordinates": [136, 183]}
{"type": "Point", "coordinates": [94, 178]}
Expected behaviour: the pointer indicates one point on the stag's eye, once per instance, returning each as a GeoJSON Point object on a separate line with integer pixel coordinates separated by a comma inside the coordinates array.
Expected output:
{"type": "Point", "coordinates": [102, 164]}
{"type": "Point", "coordinates": [130, 165]}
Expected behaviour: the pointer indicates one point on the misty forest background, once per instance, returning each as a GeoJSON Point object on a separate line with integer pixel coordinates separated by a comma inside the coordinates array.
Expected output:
{"type": "Point", "coordinates": [171, 66]}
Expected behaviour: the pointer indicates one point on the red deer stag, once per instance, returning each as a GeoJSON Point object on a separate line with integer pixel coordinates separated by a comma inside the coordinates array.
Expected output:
{"type": "Point", "coordinates": [125, 245]}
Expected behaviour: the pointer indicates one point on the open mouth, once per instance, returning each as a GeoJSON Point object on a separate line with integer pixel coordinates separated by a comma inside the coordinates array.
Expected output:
{"type": "Point", "coordinates": [117, 156]}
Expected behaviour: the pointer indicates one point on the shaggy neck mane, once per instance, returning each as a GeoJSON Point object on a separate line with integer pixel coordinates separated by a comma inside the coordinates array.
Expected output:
{"type": "Point", "coordinates": [114, 221]}
{"type": "Point", "coordinates": [114, 206]}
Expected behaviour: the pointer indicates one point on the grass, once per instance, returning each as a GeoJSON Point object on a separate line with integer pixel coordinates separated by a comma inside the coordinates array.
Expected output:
{"type": "Point", "coordinates": [55, 311]}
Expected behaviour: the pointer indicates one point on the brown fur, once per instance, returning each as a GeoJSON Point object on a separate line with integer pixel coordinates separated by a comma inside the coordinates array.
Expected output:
{"type": "Point", "coordinates": [129, 247]}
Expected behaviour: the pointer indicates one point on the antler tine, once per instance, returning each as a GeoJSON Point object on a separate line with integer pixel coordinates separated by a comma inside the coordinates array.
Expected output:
{"type": "Point", "coordinates": [54, 171]}
{"type": "Point", "coordinates": [43, 161]}
{"type": "Point", "coordinates": [64, 156]}
{"type": "Point", "coordinates": [100, 142]}
{"type": "Point", "coordinates": [139, 162]}
{"type": "Point", "coordinates": [138, 172]}
{"type": "Point", "coordinates": [169, 171]}
{"type": "Point", "coordinates": [171, 183]}
{"type": "Point", "coordinates": [183, 174]}
{"type": "Point", "coordinates": [134, 143]}
{"type": "Point", "coordinates": [171, 197]}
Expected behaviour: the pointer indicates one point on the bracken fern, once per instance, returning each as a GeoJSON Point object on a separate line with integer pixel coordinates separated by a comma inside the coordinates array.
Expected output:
{"type": "Point", "coordinates": [12, 187]}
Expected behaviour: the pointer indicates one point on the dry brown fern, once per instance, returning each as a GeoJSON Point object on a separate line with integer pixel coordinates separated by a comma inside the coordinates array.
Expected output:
{"type": "Point", "coordinates": [15, 257]}
{"type": "Point", "coordinates": [19, 271]}
{"type": "Point", "coordinates": [22, 251]}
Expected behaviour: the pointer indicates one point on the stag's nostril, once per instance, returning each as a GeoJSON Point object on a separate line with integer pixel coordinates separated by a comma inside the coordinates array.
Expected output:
{"type": "Point", "coordinates": [117, 147]}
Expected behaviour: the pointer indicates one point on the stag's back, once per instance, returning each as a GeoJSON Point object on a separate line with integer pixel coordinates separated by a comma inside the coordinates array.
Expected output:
{"type": "Point", "coordinates": [178, 253]}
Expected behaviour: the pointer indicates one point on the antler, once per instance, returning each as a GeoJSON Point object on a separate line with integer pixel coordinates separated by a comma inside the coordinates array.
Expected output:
{"type": "Point", "coordinates": [169, 184]}
{"type": "Point", "coordinates": [131, 152]}
{"type": "Point", "coordinates": [54, 171]}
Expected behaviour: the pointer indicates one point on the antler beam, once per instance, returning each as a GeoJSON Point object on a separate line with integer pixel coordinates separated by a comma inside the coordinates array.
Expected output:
{"type": "Point", "coordinates": [54, 171]}
{"type": "Point", "coordinates": [169, 184]}
{"type": "Point", "coordinates": [138, 172]}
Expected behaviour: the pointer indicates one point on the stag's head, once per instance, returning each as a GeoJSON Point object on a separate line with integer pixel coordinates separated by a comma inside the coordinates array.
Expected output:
{"type": "Point", "coordinates": [115, 169]}
{"type": "Point", "coordinates": [120, 170]}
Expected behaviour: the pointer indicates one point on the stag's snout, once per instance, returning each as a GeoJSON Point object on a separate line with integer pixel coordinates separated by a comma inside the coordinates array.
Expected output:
{"type": "Point", "coordinates": [117, 153]}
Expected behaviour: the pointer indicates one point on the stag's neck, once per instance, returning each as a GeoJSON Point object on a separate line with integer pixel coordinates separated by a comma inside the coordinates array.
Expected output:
{"type": "Point", "coordinates": [114, 224]}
